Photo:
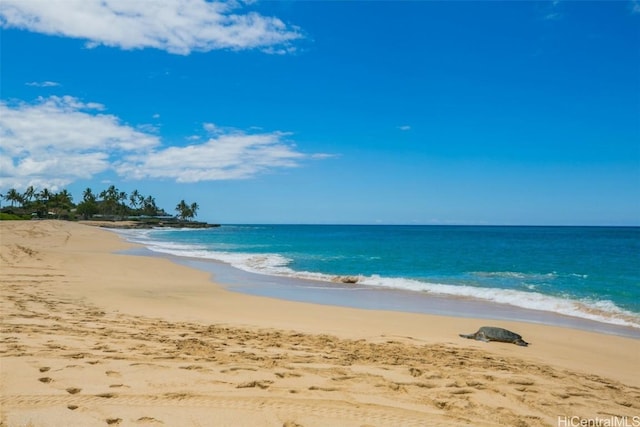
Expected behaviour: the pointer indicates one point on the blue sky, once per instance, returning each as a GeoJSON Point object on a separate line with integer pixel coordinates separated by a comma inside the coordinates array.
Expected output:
{"type": "Point", "coordinates": [330, 112]}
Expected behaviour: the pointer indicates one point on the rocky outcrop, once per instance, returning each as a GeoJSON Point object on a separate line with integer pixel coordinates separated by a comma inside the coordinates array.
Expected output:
{"type": "Point", "coordinates": [149, 224]}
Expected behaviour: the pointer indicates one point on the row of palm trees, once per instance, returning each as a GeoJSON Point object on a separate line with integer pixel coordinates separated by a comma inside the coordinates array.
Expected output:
{"type": "Point", "coordinates": [43, 203]}
{"type": "Point", "coordinates": [115, 203]}
{"type": "Point", "coordinates": [111, 203]}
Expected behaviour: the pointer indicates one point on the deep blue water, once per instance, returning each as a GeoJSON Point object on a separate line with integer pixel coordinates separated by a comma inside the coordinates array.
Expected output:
{"type": "Point", "coordinates": [587, 272]}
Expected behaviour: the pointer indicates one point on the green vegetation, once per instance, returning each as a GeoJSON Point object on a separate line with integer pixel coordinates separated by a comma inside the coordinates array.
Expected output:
{"type": "Point", "coordinates": [110, 204]}
{"type": "Point", "coordinates": [10, 217]}
{"type": "Point", "coordinates": [186, 211]}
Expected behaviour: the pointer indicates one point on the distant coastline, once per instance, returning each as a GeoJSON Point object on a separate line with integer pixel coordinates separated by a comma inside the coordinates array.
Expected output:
{"type": "Point", "coordinates": [111, 208]}
{"type": "Point", "coordinates": [128, 224]}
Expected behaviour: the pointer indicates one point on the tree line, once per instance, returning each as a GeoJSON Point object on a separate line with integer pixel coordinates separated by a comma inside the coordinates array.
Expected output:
{"type": "Point", "coordinates": [110, 203]}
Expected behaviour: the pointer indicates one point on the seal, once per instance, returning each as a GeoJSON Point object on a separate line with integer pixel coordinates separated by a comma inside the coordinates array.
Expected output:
{"type": "Point", "coordinates": [492, 333]}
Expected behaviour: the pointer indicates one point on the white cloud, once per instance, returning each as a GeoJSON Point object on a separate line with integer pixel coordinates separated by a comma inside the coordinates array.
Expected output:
{"type": "Point", "coordinates": [177, 26]}
{"type": "Point", "coordinates": [236, 155]}
{"type": "Point", "coordinates": [211, 128]}
{"type": "Point", "coordinates": [635, 6]}
{"type": "Point", "coordinates": [404, 127]}
{"type": "Point", "coordinates": [43, 84]}
{"type": "Point", "coordinates": [551, 11]}
{"type": "Point", "coordinates": [58, 140]}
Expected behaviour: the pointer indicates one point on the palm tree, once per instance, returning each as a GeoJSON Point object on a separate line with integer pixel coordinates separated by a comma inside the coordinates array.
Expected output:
{"type": "Point", "coordinates": [89, 206]}
{"type": "Point", "coordinates": [29, 194]}
{"type": "Point", "coordinates": [183, 210]}
{"type": "Point", "coordinates": [110, 198]}
{"type": "Point", "coordinates": [44, 196]}
{"type": "Point", "coordinates": [149, 206]}
{"type": "Point", "coordinates": [88, 196]}
{"type": "Point", "coordinates": [14, 197]}
{"type": "Point", "coordinates": [186, 211]}
{"type": "Point", "coordinates": [61, 202]}
{"type": "Point", "coordinates": [140, 199]}
{"type": "Point", "coordinates": [134, 199]}
{"type": "Point", "coordinates": [122, 198]}
{"type": "Point", "coordinates": [64, 199]}
{"type": "Point", "coordinates": [41, 205]}
{"type": "Point", "coordinates": [194, 209]}
{"type": "Point", "coordinates": [110, 193]}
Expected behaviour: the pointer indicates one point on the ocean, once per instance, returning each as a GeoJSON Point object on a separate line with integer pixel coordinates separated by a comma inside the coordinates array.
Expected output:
{"type": "Point", "coordinates": [590, 273]}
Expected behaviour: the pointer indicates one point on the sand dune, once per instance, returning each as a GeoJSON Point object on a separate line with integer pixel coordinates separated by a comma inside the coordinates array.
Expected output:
{"type": "Point", "coordinates": [93, 338]}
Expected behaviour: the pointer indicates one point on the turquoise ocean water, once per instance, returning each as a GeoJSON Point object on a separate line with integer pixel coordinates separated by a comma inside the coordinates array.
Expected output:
{"type": "Point", "coordinates": [584, 272]}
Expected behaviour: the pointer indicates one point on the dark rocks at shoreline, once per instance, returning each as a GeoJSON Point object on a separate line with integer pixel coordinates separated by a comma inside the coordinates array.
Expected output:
{"type": "Point", "coordinates": [147, 225]}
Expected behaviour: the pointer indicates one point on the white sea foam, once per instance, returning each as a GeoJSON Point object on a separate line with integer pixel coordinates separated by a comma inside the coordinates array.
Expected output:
{"type": "Point", "coordinates": [601, 311]}
{"type": "Point", "coordinates": [275, 264]}
{"type": "Point", "coordinates": [255, 263]}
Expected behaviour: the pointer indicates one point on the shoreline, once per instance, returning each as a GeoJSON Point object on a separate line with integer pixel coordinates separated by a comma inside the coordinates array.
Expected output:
{"type": "Point", "coordinates": [372, 298]}
{"type": "Point", "coordinates": [564, 295]}
{"type": "Point", "coordinates": [93, 336]}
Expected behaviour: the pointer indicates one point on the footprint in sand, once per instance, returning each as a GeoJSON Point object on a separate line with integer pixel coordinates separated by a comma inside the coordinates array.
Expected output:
{"type": "Point", "coordinates": [45, 380]}
{"type": "Point", "coordinates": [316, 388]}
{"type": "Point", "coordinates": [415, 372]}
{"type": "Point", "coordinates": [148, 420]}
{"type": "Point", "coordinates": [261, 384]}
{"type": "Point", "coordinates": [106, 395]}
{"type": "Point", "coordinates": [73, 390]}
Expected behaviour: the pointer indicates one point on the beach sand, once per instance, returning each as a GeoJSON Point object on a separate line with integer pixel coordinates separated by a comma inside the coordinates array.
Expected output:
{"type": "Point", "coordinates": [91, 337]}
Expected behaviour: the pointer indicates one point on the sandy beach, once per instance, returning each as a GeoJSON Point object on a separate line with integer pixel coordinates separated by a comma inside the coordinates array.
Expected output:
{"type": "Point", "coordinates": [91, 337]}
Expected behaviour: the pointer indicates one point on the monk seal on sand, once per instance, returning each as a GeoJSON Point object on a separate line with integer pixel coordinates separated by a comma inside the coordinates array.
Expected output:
{"type": "Point", "coordinates": [492, 333]}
